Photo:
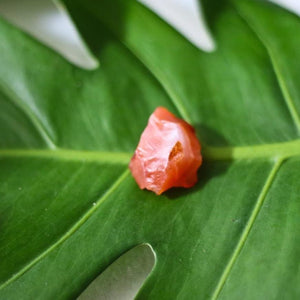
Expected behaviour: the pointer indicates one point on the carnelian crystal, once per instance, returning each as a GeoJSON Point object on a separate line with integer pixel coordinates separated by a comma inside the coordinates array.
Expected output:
{"type": "Point", "coordinates": [168, 154]}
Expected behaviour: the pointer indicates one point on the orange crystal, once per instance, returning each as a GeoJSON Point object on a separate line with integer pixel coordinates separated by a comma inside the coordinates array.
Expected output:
{"type": "Point", "coordinates": [168, 154]}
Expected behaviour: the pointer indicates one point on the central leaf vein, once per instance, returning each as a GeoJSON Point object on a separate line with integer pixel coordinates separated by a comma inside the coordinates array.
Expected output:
{"type": "Point", "coordinates": [268, 151]}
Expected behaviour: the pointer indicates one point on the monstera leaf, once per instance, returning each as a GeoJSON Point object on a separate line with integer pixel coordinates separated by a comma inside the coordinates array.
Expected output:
{"type": "Point", "coordinates": [69, 207]}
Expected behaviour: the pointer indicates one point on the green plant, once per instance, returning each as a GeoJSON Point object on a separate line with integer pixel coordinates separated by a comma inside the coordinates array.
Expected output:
{"type": "Point", "coordinates": [69, 206]}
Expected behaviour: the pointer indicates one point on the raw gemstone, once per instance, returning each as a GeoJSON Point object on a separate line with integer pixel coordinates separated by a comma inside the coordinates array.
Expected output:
{"type": "Point", "coordinates": [168, 154]}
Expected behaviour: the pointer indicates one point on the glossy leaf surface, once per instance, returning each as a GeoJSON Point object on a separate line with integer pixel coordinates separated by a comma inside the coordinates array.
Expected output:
{"type": "Point", "coordinates": [69, 206]}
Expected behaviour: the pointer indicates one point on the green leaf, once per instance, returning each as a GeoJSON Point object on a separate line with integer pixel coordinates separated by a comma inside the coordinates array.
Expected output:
{"type": "Point", "coordinates": [69, 206]}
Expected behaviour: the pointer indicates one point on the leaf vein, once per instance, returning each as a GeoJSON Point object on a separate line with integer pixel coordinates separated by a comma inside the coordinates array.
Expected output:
{"type": "Point", "coordinates": [30, 115]}
{"type": "Point", "coordinates": [270, 151]}
{"type": "Point", "coordinates": [282, 84]}
{"type": "Point", "coordinates": [153, 71]}
{"type": "Point", "coordinates": [242, 240]}
{"type": "Point", "coordinates": [70, 232]}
